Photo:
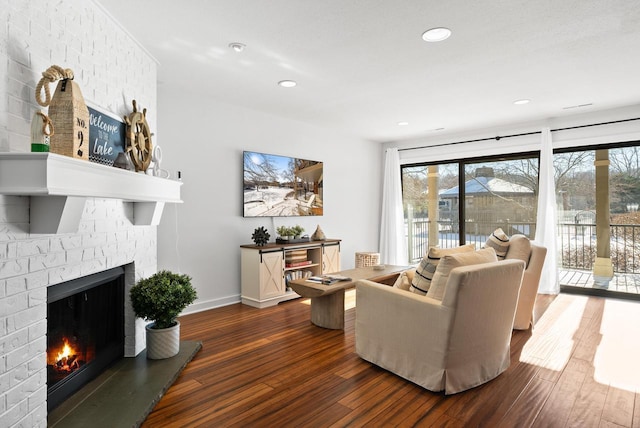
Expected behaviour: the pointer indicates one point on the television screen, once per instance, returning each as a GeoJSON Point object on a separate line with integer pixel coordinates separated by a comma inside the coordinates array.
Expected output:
{"type": "Point", "coordinates": [281, 186]}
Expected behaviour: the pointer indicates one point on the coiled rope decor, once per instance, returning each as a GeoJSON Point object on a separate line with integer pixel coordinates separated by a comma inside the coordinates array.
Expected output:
{"type": "Point", "coordinates": [51, 75]}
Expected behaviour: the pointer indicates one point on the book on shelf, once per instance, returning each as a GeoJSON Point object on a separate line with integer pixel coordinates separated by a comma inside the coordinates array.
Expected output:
{"type": "Point", "coordinates": [298, 264]}
{"type": "Point", "coordinates": [297, 274]}
{"type": "Point", "coordinates": [294, 256]}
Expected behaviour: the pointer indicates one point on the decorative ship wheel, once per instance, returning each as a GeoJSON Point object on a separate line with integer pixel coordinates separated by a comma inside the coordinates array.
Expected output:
{"type": "Point", "coordinates": [138, 137]}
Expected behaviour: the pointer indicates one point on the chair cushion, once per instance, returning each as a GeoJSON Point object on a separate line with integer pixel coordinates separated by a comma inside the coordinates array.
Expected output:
{"type": "Point", "coordinates": [427, 267]}
{"type": "Point", "coordinates": [519, 248]}
{"type": "Point", "coordinates": [499, 241]}
{"type": "Point", "coordinates": [452, 261]}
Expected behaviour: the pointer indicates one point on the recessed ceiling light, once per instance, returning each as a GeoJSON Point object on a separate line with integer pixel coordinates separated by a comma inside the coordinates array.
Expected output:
{"type": "Point", "coordinates": [237, 46]}
{"type": "Point", "coordinates": [287, 83]}
{"type": "Point", "coordinates": [521, 102]}
{"type": "Point", "coordinates": [436, 34]}
{"type": "Point", "coordinates": [403, 123]}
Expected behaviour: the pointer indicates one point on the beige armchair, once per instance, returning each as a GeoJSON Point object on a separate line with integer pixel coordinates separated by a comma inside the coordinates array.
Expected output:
{"type": "Point", "coordinates": [520, 248]}
{"type": "Point", "coordinates": [452, 345]}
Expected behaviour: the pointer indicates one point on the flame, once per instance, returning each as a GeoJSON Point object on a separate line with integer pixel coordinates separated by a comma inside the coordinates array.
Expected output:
{"type": "Point", "coordinates": [63, 356]}
{"type": "Point", "coordinates": [67, 351]}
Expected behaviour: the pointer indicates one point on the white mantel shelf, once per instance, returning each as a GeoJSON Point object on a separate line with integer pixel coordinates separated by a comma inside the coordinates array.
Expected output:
{"type": "Point", "coordinates": [52, 174]}
{"type": "Point", "coordinates": [59, 185]}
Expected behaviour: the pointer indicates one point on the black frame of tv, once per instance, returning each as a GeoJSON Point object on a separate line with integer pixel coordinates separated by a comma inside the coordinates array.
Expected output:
{"type": "Point", "coordinates": [281, 186]}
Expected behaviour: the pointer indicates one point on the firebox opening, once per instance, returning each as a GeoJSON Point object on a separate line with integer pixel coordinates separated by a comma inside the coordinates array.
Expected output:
{"type": "Point", "coordinates": [85, 331]}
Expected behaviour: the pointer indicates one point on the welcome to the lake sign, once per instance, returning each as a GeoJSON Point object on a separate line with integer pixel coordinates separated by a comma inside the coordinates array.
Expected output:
{"type": "Point", "coordinates": [107, 137]}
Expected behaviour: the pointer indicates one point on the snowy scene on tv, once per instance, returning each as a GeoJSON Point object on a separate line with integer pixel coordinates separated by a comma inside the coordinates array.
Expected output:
{"type": "Point", "coordinates": [281, 186]}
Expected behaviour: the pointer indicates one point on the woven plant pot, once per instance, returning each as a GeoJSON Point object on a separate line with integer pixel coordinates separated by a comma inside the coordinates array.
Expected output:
{"type": "Point", "coordinates": [163, 343]}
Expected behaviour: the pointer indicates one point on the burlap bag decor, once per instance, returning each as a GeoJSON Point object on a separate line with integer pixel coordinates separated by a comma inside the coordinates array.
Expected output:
{"type": "Point", "coordinates": [67, 111]}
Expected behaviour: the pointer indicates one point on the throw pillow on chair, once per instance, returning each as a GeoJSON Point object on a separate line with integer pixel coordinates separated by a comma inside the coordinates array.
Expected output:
{"type": "Point", "coordinates": [452, 261]}
{"type": "Point", "coordinates": [427, 267]}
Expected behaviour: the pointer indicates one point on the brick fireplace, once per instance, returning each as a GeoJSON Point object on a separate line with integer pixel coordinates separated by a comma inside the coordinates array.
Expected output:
{"type": "Point", "coordinates": [112, 69]}
{"type": "Point", "coordinates": [30, 263]}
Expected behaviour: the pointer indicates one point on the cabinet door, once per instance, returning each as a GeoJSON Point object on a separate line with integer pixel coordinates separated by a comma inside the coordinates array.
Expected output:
{"type": "Point", "coordinates": [271, 275]}
{"type": "Point", "coordinates": [331, 258]}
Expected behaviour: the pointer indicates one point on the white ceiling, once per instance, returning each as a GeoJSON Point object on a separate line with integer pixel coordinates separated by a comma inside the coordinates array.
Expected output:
{"type": "Point", "coordinates": [362, 66]}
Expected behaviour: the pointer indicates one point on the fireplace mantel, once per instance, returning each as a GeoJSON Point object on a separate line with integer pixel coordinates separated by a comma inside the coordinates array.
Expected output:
{"type": "Point", "coordinates": [59, 185]}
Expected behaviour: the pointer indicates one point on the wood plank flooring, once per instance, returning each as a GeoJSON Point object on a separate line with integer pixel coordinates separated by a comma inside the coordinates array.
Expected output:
{"type": "Point", "coordinates": [580, 367]}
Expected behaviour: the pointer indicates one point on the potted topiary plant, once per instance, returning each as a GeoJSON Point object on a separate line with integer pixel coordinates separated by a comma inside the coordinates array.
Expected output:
{"type": "Point", "coordinates": [160, 299]}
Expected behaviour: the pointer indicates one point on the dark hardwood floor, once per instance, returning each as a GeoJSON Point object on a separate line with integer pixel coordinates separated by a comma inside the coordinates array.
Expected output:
{"type": "Point", "coordinates": [273, 368]}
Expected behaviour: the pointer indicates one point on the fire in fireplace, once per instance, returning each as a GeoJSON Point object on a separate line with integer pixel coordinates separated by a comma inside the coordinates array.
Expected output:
{"type": "Point", "coordinates": [85, 331]}
{"type": "Point", "coordinates": [65, 359]}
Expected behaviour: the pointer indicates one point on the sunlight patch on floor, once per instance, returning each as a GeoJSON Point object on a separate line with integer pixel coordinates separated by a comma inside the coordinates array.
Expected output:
{"type": "Point", "coordinates": [618, 354]}
{"type": "Point", "coordinates": [601, 332]}
{"type": "Point", "coordinates": [552, 341]}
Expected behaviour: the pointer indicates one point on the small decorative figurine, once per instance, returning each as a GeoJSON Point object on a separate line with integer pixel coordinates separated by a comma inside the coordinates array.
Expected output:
{"type": "Point", "coordinates": [318, 235]}
{"type": "Point", "coordinates": [41, 132]}
{"type": "Point", "coordinates": [156, 157]}
{"type": "Point", "coordinates": [260, 236]}
{"type": "Point", "coordinates": [122, 161]}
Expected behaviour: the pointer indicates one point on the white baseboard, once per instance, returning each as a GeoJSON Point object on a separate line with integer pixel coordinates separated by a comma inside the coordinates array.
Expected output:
{"type": "Point", "coordinates": [211, 304]}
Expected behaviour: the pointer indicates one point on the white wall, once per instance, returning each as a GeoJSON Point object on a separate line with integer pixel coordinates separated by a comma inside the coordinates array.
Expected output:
{"type": "Point", "coordinates": [205, 139]}
{"type": "Point", "coordinates": [439, 148]}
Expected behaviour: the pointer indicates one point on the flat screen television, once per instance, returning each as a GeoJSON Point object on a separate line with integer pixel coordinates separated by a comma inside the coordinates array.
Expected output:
{"type": "Point", "coordinates": [281, 186]}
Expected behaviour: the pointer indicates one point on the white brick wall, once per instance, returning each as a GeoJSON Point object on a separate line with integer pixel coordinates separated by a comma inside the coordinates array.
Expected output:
{"type": "Point", "coordinates": [111, 69]}
{"type": "Point", "coordinates": [29, 264]}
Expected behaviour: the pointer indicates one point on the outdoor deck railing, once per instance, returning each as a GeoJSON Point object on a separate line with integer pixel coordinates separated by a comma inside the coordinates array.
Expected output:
{"type": "Point", "coordinates": [577, 241]}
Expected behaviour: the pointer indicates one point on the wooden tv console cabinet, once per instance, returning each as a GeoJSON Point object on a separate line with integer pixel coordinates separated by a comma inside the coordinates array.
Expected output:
{"type": "Point", "coordinates": [265, 269]}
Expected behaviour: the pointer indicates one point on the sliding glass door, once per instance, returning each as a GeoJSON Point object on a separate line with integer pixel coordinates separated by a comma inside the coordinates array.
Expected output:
{"type": "Point", "coordinates": [598, 202]}
{"type": "Point", "coordinates": [450, 204]}
{"type": "Point", "coordinates": [598, 219]}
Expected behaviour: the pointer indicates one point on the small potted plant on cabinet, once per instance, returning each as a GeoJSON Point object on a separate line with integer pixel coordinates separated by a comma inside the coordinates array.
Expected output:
{"type": "Point", "coordinates": [160, 299]}
{"type": "Point", "coordinates": [297, 231]}
{"type": "Point", "coordinates": [284, 233]}
{"type": "Point", "coordinates": [289, 234]}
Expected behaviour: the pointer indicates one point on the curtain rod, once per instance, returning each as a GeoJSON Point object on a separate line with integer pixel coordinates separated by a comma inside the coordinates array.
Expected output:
{"type": "Point", "coordinates": [498, 138]}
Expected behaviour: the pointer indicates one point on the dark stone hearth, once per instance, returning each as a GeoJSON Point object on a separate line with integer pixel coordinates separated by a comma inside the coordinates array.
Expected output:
{"type": "Point", "coordinates": [125, 393]}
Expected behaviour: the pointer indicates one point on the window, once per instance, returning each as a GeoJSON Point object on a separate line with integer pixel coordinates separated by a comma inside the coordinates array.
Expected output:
{"type": "Point", "coordinates": [598, 217]}
{"type": "Point", "coordinates": [598, 203]}
{"type": "Point", "coordinates": [497, 192]}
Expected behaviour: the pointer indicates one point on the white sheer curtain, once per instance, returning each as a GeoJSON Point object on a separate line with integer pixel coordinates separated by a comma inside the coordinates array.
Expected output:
{"type": "Point", "coordinates": [547, 218]}
{"type": "Point", "coordinates": [393, 249]}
